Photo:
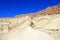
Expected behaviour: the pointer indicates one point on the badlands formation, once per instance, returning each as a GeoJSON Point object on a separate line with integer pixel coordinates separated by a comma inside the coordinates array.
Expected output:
{"type": "Point", "coordinates": [43, 25]}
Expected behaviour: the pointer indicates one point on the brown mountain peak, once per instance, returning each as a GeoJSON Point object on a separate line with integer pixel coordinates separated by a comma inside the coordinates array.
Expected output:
{"type": "Point", "coordinates": [50, 10]}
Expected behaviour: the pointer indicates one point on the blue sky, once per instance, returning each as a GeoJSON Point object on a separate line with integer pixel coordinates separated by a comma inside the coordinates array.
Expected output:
{"type": "Point", "coordinates": [10, 8]}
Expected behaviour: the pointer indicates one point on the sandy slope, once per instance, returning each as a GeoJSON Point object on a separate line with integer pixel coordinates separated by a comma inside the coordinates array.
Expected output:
{"type": "Point", "coordinates": [43, 25]}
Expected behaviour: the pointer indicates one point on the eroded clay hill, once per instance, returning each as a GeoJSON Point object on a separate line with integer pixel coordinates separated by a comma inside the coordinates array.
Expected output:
{"type": "Point", "coordinates": [49, 13]}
